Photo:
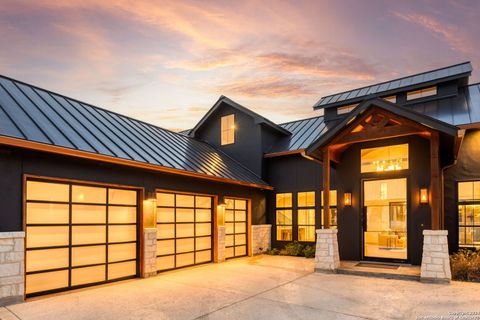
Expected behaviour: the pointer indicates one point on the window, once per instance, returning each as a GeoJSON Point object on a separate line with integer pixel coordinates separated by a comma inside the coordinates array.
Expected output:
{"type": "Point", "coordinates": [306, 216]}
{"type": "Point", "coordinates": [469, 214]}
{"type": "Point", "coordinates": [422, 93]}
{"type": "Point", "coordinates": [228, 129]}
{"type": "Point", "coordinates": [392, 99]}
{"type": "Point", "coordinates": [333, 209]}
{"type": "Point", "coordinates": [389, 158]}
{"type": "Point", "coordinates": [346, 109]}
{"type": "Point", "coordinates": [284, 216]}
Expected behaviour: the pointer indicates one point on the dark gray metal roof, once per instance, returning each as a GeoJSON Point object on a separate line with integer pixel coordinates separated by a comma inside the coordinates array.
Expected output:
{"type": "Point", "coordinates": [33, 114]}
{"type": "Point", "coordinates": [393, 86]}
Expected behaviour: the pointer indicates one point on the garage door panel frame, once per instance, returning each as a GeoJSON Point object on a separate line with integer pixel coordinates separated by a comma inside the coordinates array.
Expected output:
{"type": "Point", "coordinates": [248, 226]}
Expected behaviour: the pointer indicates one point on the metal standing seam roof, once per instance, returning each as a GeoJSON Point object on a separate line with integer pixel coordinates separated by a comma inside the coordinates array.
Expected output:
{"type": "Point", "coordinates": [37, 115]}
{"type": "Point", "coordinates": [392, 86]}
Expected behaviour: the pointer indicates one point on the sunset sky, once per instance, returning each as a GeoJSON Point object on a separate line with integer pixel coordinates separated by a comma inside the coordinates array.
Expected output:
{"type": "Point", "coordinates": [167, 62]}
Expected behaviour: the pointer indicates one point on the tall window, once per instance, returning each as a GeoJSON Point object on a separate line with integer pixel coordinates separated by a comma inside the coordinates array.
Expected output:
{"type": "Point", "coordinates": [228, 129]}
{"type": "Point", "coordinates": [469, 214]}
{"type": "Point", "coordinates": [389, 158]}
{"type": "Point", "coordinates": [306, 216]}
{"type": "Point", "coordinates": [392, 99]}
{"type": "Point", "coordinates": [284, 216]}
{"type": "Point", "coordinates": [422, 93]}
{"type": "Point", "coordinates": [333, 210]}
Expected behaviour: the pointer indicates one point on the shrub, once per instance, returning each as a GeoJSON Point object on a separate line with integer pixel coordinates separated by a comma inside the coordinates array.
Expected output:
{"type": "Point", "coordinates": [465, 265]}
{"type": "Point", "coordinates": [294, 249]}
{"type": "Point", "coordinates": [272, 252]}
{"type": "Point", "coordinates": [309, 251]}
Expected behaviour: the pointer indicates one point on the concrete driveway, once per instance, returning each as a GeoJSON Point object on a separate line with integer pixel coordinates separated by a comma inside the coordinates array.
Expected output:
{"type": "Point", "coordinates": [263, 287]}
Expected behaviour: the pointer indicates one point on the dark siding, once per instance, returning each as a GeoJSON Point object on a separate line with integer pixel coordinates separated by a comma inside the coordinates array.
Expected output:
{"type": "Point", "coordinates": [466, 168]}
{"type": "Point", "coordinates": [18, 162]}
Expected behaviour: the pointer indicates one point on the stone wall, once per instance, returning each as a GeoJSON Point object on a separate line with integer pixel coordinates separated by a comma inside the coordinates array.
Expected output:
{"type": "Point", "coordinates": [149, 252]}
{"type": "Point", "coordinates": [327, 258]}
{"type": "Point", "coordinates": [12, 267]}
{"type": "Point", "coordinates": [261, 238]}
{"type": "Point", "coordinates": [220, 244]}
{"type": "Point", "coordinates": [435, 259]}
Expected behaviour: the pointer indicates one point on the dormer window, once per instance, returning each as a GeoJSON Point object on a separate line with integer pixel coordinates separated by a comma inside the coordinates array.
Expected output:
{"type": "Point", "coordinates": [346, 109]}
{"type": "Point", "coordinates": [392, 99]}
{"type": "Point", "coordinates": [422, 93]}
{"type": "Point", "coordinates": [228, 129]}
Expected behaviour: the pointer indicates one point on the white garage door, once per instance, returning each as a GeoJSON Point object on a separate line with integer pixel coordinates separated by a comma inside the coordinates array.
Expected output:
{"type": "Point", "coordinates": [184, 230]}
{"type": "Point", "coordinates": [78, 235]}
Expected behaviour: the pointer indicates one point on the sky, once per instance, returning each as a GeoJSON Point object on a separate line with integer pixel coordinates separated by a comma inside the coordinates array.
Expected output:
{"type": "Point", "coordinates": [167, 62]}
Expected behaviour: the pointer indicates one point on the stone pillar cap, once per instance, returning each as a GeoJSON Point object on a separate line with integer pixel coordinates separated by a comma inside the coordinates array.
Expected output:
{"type": "Point", "coordinates": [327, 231]}
{"type": "Point", "coordinates": [435, 232]}
{"type": "Point", "coordinates": [12, 234]}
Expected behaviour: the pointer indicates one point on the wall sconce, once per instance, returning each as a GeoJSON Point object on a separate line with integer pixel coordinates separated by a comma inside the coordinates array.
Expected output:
{"type": "Point", "coordinates": [423, 195]}
{"type": "Point", "coordinates": [150, 211]}
{"type": "Point", "coordinates": [221, 212]}
{"type": "Point", "coordinates": [347, 199]}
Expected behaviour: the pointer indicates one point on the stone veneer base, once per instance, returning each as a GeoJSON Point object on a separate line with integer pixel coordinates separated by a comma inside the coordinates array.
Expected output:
{"type": "Point", "coordinates": [327, 258]}
{"type": "Point", "coordinates": [12, 267]}
{"type": "Point", "coordinates": [149, 252]}
{"type": "Point", "coordinates": [435, 259]}
{"type": "Point", "coordinates": [261, 238]}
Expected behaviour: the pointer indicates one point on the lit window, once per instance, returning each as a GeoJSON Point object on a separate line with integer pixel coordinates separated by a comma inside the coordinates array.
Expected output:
{"type": "Point", "coordinates": [469, 214]}
{"type": "Point", "coordinates": [392, 99]}
{"type": "Point", "coordinates": [306, 216]}
{"type": "Point", "coordinates": [284, 216]}
{"type": "Point", "coordinates": [228, 129]}
{"type": "Point", "coordinates": [333, 209]}
{"type": "Point", "coordinates": [346, 109]}
{"type": "Point", "coordinates": [389, 158]}
{"type": "Point", "coordinates": [422, 93]}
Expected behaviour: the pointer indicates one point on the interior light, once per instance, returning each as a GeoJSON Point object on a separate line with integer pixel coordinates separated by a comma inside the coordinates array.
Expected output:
{"type": "Point", "coordinates": [424, 195]}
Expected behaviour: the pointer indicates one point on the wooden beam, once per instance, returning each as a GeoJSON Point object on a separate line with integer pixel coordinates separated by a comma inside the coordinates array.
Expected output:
{"type": "Point", "coordinates": [326, 188]}
{"type": "Point", "coordinates": [435, 192]}
{"type": "Point", "coordinates": [384, 133]}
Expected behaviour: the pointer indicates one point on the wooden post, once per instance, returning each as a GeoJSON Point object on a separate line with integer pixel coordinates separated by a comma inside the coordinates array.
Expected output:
{"type": "Point", "coordinates": [326, 188]}
{"type": "Point", "coordinates": [435, 192]}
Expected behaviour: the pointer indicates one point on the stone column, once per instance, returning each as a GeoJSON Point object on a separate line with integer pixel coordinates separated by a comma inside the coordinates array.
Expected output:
{"type": "Point", "coordinates": [149, 252]}
{"type": "Point", "coordinates": [261, 238]}
{"type": "Point", "coordinates": [220, 244]}
{"type": "Point", "coordinates": [12, 267]}
{"type": "Point", "coordinates": [435, 258]}
{"type": "Point", "coordinates": [327, 258]}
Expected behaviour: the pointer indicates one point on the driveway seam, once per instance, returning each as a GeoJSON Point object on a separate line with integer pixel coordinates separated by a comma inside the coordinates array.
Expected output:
{"type": "Point", "coordinates": [13, 313]}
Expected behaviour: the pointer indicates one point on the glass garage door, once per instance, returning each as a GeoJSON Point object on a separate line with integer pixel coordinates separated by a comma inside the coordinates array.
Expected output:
{"type": "Point", "coordinates": [78, 235]}
{"type": "Point", "coordinates": [184, 230]}
{"type": "Point", "coordinates": [235, 228]}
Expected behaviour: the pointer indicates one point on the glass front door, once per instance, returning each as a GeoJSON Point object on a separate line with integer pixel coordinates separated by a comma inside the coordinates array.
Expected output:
{"type": "Point", "coordinates": [385, 219]}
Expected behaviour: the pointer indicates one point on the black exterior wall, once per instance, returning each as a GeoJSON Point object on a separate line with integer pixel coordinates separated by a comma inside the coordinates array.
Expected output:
{"type": "Point", "coordinates": [14, 163]}
{"type": "Point", "coordinates": [466, 168]}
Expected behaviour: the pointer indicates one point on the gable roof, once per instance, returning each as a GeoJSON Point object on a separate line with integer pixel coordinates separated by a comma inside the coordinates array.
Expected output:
{"type": "Point", "coordinates": [412, 82]}
{"type": "Point", "coordinates": [38, 119]}
{"type": "Point", "coordinates": [258, 118]}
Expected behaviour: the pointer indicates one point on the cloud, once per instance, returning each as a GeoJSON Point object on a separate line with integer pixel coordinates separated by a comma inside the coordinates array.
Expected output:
{"type": "Point", "coordinates": [270, 86]}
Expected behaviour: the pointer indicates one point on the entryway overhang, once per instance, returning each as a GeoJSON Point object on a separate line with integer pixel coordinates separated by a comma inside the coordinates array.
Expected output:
{"type": "Point", "coordinates": [378, 119]}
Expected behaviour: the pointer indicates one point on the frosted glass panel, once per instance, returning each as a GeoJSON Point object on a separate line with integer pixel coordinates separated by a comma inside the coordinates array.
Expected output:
{"type": "Point", "coordinates": [88, 275]}
{"type": "Point", "coordinates": [89, 194]}
{"type": "Point", "coordinates": [229, 228]}
{"type": "Point", "coordinates": [240, 251]}
{"type": "Point", "coordinates": [88, 234]}
{"type": "Point", "coordinates": [165, 215]}
{"type": "Point", "coordinates": [46, 259]}
{"type": "Point", "coordinates": [185, 259]}
{"type": "Point", "coordinates": [203, 229]}
{"type": "Point", "coordinates": [164, 263]}
{"type": "Point", "coordinates": [165, 247]}
{"type": "Point", "coordinates": [229, 215]}
{"type": "Point", "coordinates": [230, 203]}
{"type": "Point", "coordinates": [185, 201]}
{"type": "Point", "coordinates": [46, 236]}
{"type": "Point", "coordinates": [165, 231]}
{"type": "Point", "coordinates": [204, 215]}
{"type": "Point", "coordinates": [119, 252]}
{"type": "Point", "coordinates": [122, 214]}
{"type": "Point", "coordinates": [240, 239]}
{"type": "Point", "coordinates": [185, 230]}
{"type": "Point", "coordinates": [229, 252]}
{"type": "Point", "coordinates": [89, 214]}
{"type": "Point", "coordinates": [185, 245]}
{"type": "Point", "coordinates": [203, 243]}
{"type": "Point", "coordinates": [88, 255]}
{"type": "Point", "coordinates": [46, 281]}
{"type": "Point", "coordinates": [122, 233]}
{"type": "Point", "coordinates": [165, 199]}
{"type": "Point", "coordinates": [47, 191]}
{"type": "Point", "coordinates": [241, 204]}
{"type": "Point", "coordinates": [185, 215]}
{"type": "Point", "coordinates": [240, 216]}
{"type": "Point", "coordinates": [48, 213]}
{"type": "Point", "coordinates": [203, 202]}
{"type": "Point", "coordinates": [203, 256]}
{"type": "Point", "coordinates": [229, 240]}
{"type": "Point", "coordinates": [240, 227]}
{"type": "Point", "coordinates": [122, 269]}
{"type": "Point", "coordinates": [119, 196]}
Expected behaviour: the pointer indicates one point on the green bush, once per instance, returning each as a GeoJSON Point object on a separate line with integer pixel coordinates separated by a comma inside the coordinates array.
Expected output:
{"type": "Point", "coordinates": [295, 249]}
{"type": "Point", "coordinates": [465, 265]}
{"type": "Point", "coordinates": [272, 252]}
{"type": "Point", "coordinates": [309, 251]}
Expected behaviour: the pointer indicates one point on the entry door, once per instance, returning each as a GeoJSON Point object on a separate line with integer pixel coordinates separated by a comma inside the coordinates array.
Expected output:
{"type": "Point", "coordinates": [235, 228]}
{"type": "Point", "coordinates": [385, 219]}
{"type": "Point", "coordinates": [78, 235]}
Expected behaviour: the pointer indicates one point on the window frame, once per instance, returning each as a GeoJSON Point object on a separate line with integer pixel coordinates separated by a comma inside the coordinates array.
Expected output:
{"type": "Point", "coordinates": [385, 171]}
{"type": "Point", "coordinates": [346, 108]}
{"type": "Point", "coordinates": [283, 208]}
{"type": "Point", "coordinates": [229, 131]}
{"type": "Point", "coordinates": [307, 208]}
{"type": "Point", "coordinates": [465, 225]}
{"type": "Point", "coordinates": [422, 93]}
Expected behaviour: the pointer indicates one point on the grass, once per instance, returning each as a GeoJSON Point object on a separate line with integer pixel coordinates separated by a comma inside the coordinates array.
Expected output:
{"type": "Point", "coordinates": [465, 265]}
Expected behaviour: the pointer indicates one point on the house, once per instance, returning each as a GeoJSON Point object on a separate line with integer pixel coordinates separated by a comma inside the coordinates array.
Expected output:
{"type": "Point", "coordinates": [90, 196]}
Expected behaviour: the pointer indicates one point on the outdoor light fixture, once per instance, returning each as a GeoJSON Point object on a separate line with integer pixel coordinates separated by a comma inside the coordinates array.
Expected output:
{"type": "Point", "coordinates": [347, 199]}
{"type": "Point", "coordinates": [221, 212]}
{"type": "Point", "coordinates": [150, 210]}
{"type": "Point", "coordinates": [424, 195]}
